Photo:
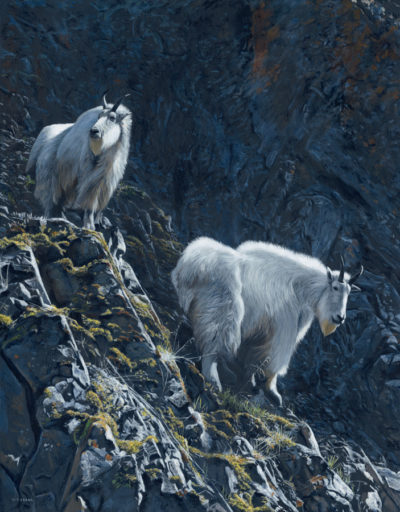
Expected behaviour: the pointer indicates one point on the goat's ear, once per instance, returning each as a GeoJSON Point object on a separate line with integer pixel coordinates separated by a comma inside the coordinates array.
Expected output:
{"type": "Point", "coordinates": [355, 288]}
{"type": "Point", "coordinates": [329, 274]}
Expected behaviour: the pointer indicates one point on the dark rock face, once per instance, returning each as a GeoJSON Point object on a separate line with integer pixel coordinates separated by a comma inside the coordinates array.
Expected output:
{"type": "Point", "coordinates": [275, 121]}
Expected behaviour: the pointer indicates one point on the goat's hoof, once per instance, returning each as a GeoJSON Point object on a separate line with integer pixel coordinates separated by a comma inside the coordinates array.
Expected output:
{"type": "Point", "coordinates": [215, 386]}
{"type": "Point", "coordinates": [274, 397]}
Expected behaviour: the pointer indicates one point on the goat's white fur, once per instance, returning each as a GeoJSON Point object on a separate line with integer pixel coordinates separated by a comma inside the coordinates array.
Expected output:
{"type": "Point", "coordinates": [77, 171]}
{"type": "Point", "coordinates": [258, 289]}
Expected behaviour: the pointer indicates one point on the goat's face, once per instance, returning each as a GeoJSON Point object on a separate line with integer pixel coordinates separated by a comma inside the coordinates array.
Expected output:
{"type": "Point", "coordinates": [106, 131]}
{"type": "Point", "coordinates": [331, 308]}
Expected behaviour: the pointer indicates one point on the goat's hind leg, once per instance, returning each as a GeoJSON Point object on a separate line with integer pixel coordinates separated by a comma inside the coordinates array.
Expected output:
{"type": "Point", "coordinates": [57, 210]}
{"type": "Point", "coordinates": [216, 315]}
{"type": "Point", "coordinates": [56, 201]}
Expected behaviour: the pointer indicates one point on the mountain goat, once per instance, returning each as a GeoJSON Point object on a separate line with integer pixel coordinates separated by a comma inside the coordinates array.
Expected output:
{"type": "Point", "coordinates": [79, 165]}
{"type": "Point", "coordinates": [254, 304]}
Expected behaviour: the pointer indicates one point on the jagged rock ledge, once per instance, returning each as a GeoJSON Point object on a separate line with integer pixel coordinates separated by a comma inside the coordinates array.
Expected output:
{"type": "Point", "coordinates": [102, 411]}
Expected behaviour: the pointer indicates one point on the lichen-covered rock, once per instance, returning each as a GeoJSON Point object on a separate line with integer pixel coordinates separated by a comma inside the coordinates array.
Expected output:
{"type": "Point", "coordinates": [109, 412]}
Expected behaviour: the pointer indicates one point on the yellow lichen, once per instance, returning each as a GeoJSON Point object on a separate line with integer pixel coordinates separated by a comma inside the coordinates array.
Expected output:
{"type": "Point", "coordinates": [24, 240]}
{"type": "Point", "coordinates": [245, 503]}
{"type": "Point", "coordinates": [90, 322]}
{"type": "Point", "coordinates": [173, 422]}
{"type": "Point", "coordinates": [111, 325]}
{"type": "Point", "coordinates": [133, 446]}
{"type": "Point", "coordinates": [98, 331]}
{"type": "Point", "coordinates": [47, 393]}
{"type": "Point", "coordinates": [120, 358]}
{"type": "Point", "coordinates": [82, 432]}
{"type": "Point", "coordinates": [5, 320]}
{"type": "Point", "coordinates": [237, 463]}
{"type": "Point", "coordinates": [153, 473]}
{"type": "Point", "coordinates": [93, 399]}
{"type": "Point", "coordinates": [124, 480]}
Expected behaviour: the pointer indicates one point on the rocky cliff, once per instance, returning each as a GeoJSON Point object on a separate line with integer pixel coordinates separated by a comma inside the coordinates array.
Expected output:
{"type": "Point", "coordinates": [265, 120]}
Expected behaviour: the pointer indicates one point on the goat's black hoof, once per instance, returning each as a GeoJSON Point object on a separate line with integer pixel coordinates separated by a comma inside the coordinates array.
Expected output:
{"type": "Point", "coordinates": [274, 397]}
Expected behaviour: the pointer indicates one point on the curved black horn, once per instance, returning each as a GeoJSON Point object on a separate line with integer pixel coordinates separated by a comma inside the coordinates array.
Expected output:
{"type": "Point", "coordinates": [341, 275]}
{"type": "Point", "coordinates": [104, 100]}
{"type": "Point", "coordinates": [118, 102]}
{"type": "Point", "coordinates": [354, 277]}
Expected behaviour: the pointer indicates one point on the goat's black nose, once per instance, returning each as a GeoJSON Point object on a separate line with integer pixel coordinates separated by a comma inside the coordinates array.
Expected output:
{"type": "Point", "coordinates": [338, 319]}
{"type": "Point", "coordinates": [94, 132]}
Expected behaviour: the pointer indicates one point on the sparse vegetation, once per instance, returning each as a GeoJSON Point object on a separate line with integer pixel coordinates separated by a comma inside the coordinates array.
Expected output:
{"type": "Point", "coordinates": [335, 465]}
{"type": "Point", "coordinates": [236, 404]}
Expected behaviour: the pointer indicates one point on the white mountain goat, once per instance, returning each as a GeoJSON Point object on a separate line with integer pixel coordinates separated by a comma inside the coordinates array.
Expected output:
{"type": "Point", "coordinates": [79, 165]}
{"type": "Point", "coordinates": [256, 303]}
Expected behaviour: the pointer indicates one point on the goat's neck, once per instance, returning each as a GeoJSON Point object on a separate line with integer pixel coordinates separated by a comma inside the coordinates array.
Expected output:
{"type": "Point", "coordinates": [105, 160]}
{"type": "Point", "coordinates": [95, 160]}
{"type": "Point", "coordinates": [309, 289]}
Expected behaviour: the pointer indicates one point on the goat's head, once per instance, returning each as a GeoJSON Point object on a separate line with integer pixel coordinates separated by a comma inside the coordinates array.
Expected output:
{"type": "Point", "coordinates": [331, 308]}
{"type": "Point", "coordinates": [106, 131]}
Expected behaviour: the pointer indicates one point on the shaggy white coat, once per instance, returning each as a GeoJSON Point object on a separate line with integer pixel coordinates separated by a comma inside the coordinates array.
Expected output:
{"type": "Point", "coordinates": [76, 171]}
{"type": "Point", "coordinates": [258, 291]}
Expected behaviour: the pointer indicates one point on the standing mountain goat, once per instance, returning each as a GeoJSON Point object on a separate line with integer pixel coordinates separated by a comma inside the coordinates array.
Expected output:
{"type": "Point", "coordinates": [256, 303]}
{"type": "Point", "coordinates": [79, 165]}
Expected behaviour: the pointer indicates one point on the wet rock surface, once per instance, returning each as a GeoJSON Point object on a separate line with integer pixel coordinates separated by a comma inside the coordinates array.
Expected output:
{"type": "Point", "coordinates": [273, 121]}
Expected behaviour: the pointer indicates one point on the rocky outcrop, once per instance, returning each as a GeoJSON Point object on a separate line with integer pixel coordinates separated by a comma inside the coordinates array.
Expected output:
{"type": "Point", "coordinates": [100, 410]}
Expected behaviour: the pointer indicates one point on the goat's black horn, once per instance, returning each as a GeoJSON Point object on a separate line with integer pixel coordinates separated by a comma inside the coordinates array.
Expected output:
{"type": "Point", "coordinates": [354, 277]}
{"type": "Point", "coordinates": [104, 100]}
{"type": "Point", "coordinates": [341, 275]}
{"type": "Point", "coordinates": [118, 102]}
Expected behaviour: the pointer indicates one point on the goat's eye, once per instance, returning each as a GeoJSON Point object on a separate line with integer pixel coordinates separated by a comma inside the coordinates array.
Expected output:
{"type": "Point", "coordinates": [112, 116]}
{"type": "Point", "coordinates": [335, 288]}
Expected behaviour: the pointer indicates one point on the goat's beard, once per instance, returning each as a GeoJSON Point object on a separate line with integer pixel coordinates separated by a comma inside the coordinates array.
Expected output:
{"type": "Point", "coordinates": [96, 146]}
{"type": "Point", "coordinates": [327, 327]}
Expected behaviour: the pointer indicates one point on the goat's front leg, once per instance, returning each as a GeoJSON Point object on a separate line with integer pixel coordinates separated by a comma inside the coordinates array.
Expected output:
{"type": "Point", "coordinates": [271, 390]}
{"type": "Point", "coordinates": [98, 220]}
{"type": "Point", "coordinates": [281, 348]}
{"type": "Point", "coordinates": [88, 219]}
{"type": "Point", "coordinates": [209, 368]}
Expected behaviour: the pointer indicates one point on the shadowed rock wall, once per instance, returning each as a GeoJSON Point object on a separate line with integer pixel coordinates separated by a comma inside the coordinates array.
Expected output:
{"type": "Point", "coordinates": [268, 120]}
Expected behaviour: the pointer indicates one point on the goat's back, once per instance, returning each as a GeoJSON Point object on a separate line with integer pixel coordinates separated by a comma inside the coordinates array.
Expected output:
{"type": "Point", "coordinates": [204, 261]}
{"type": "Point", "coordinates": [44, 147]}
{"type": "Point", "coordinates": [276, 257]}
